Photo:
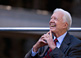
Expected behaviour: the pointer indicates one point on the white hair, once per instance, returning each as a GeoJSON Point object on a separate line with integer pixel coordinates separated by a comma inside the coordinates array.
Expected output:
{"type": "Point", "coordinates": [67, 16]}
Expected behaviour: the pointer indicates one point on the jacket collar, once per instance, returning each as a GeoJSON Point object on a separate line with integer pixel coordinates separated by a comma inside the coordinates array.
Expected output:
{"type": "Point", "coordinates": [65, 43]}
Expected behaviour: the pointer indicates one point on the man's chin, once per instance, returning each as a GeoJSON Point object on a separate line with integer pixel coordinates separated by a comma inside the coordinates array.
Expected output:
{"type": "Point", "coordinates": [52, 30]}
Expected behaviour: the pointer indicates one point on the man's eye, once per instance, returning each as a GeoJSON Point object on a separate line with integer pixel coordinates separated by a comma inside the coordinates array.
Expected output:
{"type": "Point", "coordinates": [55, 18]}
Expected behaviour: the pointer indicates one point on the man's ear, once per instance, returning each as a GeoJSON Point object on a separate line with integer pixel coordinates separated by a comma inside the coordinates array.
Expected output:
{"type": "Point", "coordinates": [65, 25]}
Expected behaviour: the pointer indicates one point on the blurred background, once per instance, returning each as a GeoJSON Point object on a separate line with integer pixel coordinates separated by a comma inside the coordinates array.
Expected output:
{"type": "Point", "coordinates": [30, 13]}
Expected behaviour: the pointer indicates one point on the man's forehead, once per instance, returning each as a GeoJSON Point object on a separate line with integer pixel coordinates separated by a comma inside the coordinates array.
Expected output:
{"type": "Point", "coordinates": [58, 13]}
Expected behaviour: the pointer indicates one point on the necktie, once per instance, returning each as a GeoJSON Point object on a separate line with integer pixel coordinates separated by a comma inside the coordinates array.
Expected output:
{"type": "Point", "coordinates": [47, 56]}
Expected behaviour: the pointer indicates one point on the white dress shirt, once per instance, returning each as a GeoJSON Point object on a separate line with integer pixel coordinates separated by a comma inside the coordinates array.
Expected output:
{"type": "Point", "coordinates": [58, 44]}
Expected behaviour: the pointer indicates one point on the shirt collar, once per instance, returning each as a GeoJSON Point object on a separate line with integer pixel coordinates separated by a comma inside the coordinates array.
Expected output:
{"type": "Point", "coordinates": [60, 39]}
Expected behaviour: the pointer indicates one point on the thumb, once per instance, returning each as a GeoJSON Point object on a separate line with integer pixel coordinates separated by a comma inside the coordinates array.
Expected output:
{"type": "Point", "coordinates": [51, 34]}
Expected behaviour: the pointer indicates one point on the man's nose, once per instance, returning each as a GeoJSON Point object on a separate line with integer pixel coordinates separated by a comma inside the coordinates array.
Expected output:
{"type": "Point", "coordinates": [51, 20]}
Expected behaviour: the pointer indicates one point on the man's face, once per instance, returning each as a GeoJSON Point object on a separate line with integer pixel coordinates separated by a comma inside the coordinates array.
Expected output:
{"type": "Point", "coordinates": [56, 23]}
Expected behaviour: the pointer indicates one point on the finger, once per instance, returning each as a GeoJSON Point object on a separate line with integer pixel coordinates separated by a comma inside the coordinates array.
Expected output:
{"type": "Point", "coordinates": [44, 41]}
{"type": "Point", "coordinates": [43, 36]}
{"type": "Point", "coordinates": [50, 33]}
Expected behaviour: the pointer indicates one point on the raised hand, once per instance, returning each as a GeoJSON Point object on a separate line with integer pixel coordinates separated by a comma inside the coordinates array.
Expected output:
{"type": "Point", "coordinates": [48, 38]}
{"type": "Point", "coordinates": [45, 39]}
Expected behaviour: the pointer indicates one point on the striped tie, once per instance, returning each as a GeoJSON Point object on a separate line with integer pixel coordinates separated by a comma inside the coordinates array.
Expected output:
{"type": "Point", "coordinates": [47, 56]}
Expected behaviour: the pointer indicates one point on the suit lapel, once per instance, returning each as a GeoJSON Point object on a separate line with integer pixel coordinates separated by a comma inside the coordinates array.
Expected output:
{"type": "Point", "coordinates": [65, 43]}
{"type": "Point", "coordinates": [45, 50]}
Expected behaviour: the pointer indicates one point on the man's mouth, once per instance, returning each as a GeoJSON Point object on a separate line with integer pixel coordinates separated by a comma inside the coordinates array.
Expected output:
{"type": "Point", "coordinates": [52, 25]}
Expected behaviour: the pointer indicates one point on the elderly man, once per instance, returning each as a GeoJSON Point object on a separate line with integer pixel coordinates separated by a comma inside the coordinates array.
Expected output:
{"type": "Point", "coordinates": [57, 43]}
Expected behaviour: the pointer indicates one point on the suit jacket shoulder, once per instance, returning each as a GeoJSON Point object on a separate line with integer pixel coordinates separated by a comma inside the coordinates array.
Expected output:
{"type": "Point", "coordinates": [70, 47]}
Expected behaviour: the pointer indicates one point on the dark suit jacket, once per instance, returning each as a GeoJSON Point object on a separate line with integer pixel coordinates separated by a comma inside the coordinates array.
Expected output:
{"type": "Point", "coordinates": [70, 48]}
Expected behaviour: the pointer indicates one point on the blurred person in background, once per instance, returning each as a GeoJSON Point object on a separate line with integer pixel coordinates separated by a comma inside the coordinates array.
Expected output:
{"type": "Point", "coordinates": [57, 43]}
